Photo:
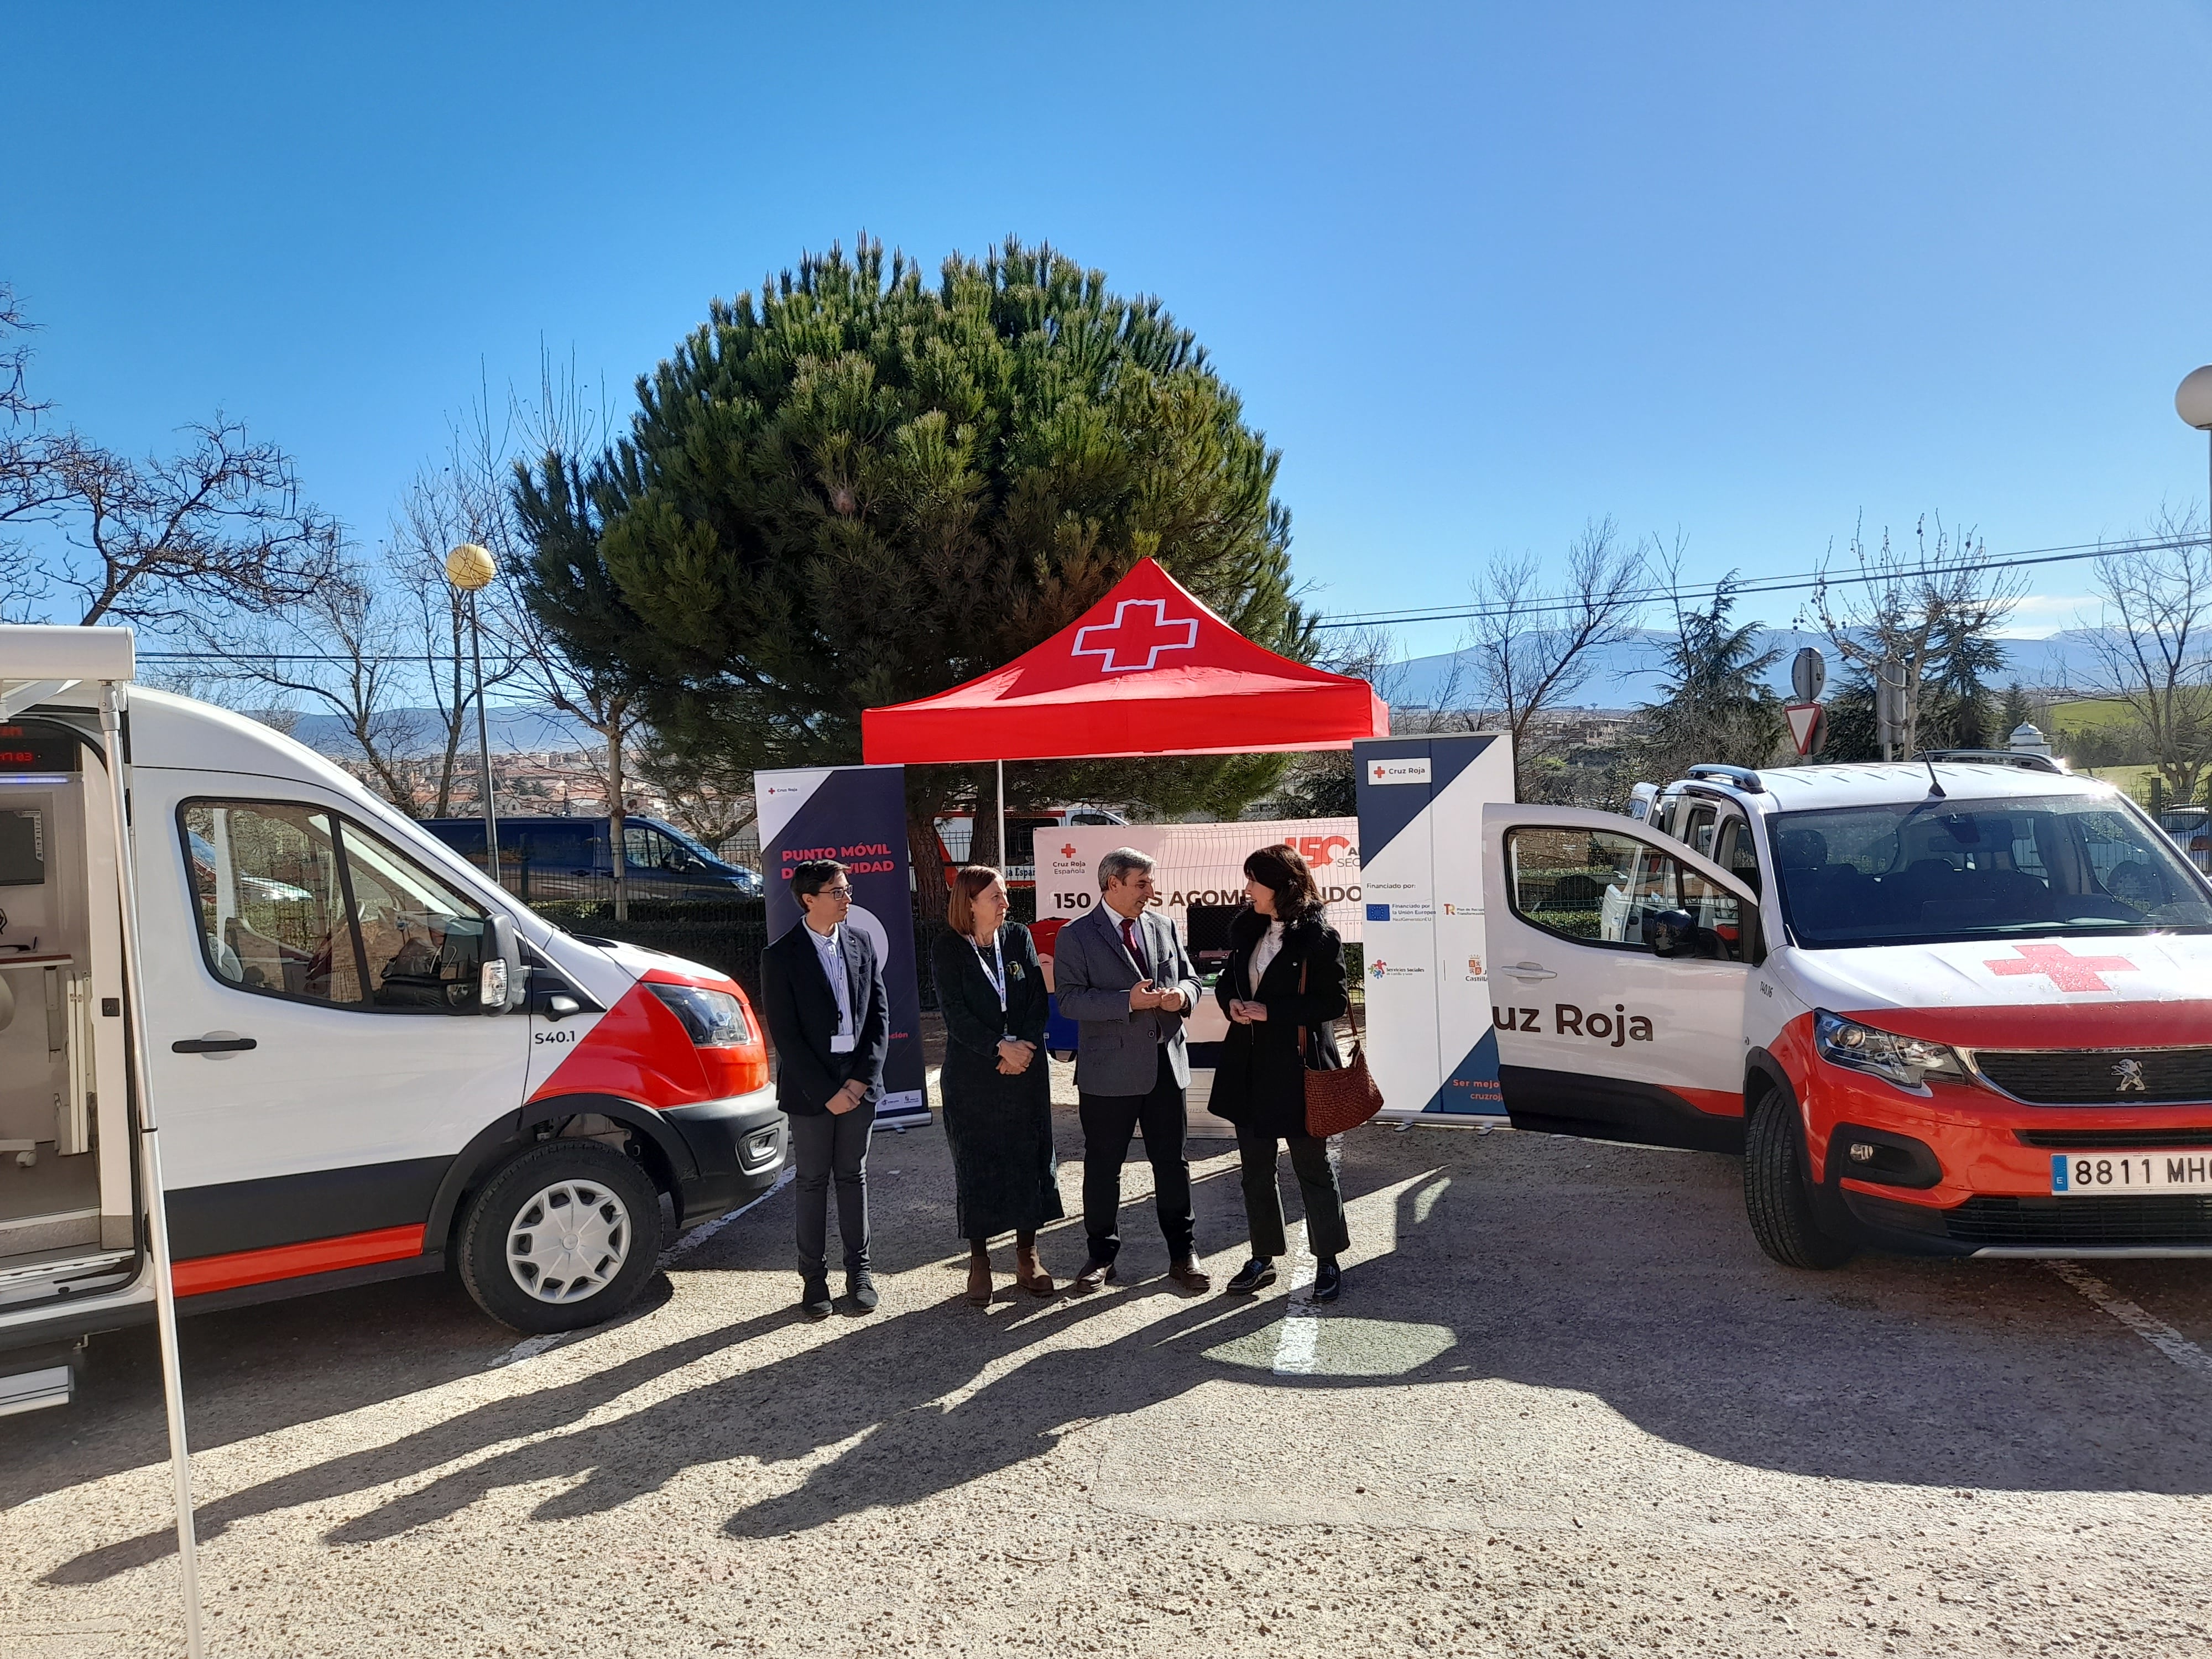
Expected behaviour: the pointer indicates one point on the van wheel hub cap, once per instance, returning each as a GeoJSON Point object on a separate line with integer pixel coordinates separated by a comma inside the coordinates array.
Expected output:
{"type": "Point", "coordinates": [568, 1241]}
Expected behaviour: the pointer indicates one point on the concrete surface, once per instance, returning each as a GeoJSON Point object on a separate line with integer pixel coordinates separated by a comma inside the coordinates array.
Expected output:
{"type": "Point", "coordinates": [1564, 1407]}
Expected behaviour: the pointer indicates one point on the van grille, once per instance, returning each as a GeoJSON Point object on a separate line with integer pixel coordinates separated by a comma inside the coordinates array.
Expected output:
{"type": "Point", "coordinates": [2082, 1223]}
{"type": "Point", "coordinates": [2085, 1076]}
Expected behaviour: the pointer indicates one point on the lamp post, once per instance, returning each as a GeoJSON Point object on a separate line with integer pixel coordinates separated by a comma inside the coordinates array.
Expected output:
{"type": "Point", "coordinates": [2192, 401]}
{"type": "Point", "coordinates": [470, 569]}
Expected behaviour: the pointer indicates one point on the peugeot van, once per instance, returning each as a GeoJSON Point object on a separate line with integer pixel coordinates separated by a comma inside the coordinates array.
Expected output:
{"type": "Point", "coordinates": [366, 1060]}
{"type": "Point", "coordinates": [1960, 1008]}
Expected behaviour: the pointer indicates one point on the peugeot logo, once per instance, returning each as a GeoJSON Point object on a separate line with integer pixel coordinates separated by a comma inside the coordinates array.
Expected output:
{"type": "Point", "coordinates": [2131, 1075]}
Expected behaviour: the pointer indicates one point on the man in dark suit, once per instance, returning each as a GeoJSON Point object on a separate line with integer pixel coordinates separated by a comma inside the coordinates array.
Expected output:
{"type": "Point", "coordinates": [829, 1019]}
{"type": "Point", "coordinates": [1120, 974]}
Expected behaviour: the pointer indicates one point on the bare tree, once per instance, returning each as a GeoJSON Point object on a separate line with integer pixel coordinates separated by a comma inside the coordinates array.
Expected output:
{"type": "Point", "coordinates": [2154, 652]}
{"type": "Point", "coordinates": [1917, 606]}
{"type": "Point", "coordinates": [712, 803]}
{"type": "Point", "coordinates": [218, 527]}
{"type": "Point", "coordinates": [1532, 640]}
{"type": "Point", "coordinates": [342, 651]}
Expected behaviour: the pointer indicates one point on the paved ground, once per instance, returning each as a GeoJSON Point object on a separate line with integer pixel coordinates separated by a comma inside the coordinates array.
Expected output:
{"type": "Point", "coordinates": [1565, 1407]}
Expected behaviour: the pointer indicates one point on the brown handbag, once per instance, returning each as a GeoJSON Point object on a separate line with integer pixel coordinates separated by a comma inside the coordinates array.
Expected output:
{"type": "Point", "coordinates": [1344, 1096]}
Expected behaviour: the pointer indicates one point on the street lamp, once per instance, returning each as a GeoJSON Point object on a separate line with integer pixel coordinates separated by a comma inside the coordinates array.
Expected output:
{"type": "Point", "coordinates": [470, 569]}
{"type": "Point", "coordinates": [2192, 401]}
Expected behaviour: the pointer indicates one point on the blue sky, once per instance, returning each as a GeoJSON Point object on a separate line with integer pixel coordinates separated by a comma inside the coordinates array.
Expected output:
{"type": "Point", "coordinates": [1741, 272]}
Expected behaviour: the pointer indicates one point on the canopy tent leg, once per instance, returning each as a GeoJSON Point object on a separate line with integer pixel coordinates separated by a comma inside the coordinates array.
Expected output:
{"type": "Point", "coordinates": [157, 1213]}
{"type": "Point", "coordinates": [1002, 817]}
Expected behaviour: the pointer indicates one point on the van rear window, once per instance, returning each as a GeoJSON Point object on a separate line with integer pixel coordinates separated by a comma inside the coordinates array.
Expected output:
{"type": "Point", "coordinates": [1950, 869]}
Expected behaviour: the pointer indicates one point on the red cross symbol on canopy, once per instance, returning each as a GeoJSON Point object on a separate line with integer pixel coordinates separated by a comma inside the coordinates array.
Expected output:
{"type": "Point", "coordinates": [2066, 970]}
{"type": "Point", "coordinates": [1141, 629]}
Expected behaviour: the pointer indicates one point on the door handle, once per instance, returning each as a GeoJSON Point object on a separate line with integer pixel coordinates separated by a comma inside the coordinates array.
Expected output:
{"type": "Point", "coordinates": [1528, 970]}
{"type": "Point", "coordinates": [212, 1045]}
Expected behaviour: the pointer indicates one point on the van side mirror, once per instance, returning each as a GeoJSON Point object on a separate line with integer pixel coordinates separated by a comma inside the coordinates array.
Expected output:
{"type": "Point", "coordinates": [1670, 932]}
{"type": "Point", "coordinates": [501, 975]}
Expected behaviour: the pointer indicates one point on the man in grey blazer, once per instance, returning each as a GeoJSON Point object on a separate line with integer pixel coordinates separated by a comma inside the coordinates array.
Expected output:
{"type": "Point", "coordinates": [1120, 973]}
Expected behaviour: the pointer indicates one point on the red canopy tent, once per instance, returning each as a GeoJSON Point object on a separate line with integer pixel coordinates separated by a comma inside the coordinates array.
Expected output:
{"type": "Point", "coordinates": [1147, 670]}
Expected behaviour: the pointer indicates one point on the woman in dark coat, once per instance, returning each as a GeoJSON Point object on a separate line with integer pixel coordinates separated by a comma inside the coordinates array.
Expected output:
{"type": "Point", "coordinates": [996, 1086]}
{"type": "Point", "coordinates": [1285, 980]}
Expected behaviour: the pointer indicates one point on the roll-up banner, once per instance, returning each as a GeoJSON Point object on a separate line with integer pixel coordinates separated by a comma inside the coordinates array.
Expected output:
{"type": "Point", "coordinates": [1430, 1043]}
{"type": "Point", "coordinates": [856, 815]}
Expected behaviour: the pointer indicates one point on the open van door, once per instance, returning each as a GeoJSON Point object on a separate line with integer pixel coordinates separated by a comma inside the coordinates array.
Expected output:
{"type": "Point", "coordinates": [1619, 961]}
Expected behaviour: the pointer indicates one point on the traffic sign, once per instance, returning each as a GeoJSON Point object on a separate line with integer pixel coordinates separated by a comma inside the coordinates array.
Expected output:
{"type": "Point", "coordinates": [1809, 726]}
{"type": "Point", "coordinates": [1808, 674]}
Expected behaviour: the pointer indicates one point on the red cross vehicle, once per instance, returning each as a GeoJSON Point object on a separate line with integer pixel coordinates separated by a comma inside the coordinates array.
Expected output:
{"type": "Point", "coordinates": [368, 1058]}
{"type": "Point", "coordinates": [1958, 1005]}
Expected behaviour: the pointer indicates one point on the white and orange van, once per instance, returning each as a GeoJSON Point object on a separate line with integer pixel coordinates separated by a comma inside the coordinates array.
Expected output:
{"type": "Point", "coordinates": [368, 1060]}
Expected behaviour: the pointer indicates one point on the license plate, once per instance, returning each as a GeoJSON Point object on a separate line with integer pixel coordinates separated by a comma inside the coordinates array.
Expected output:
{"type": "Point", "coordinates": [2073, 1175]}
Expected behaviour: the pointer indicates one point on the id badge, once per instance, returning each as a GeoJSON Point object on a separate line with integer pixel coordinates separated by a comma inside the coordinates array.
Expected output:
{"type": "Point", "coordinates": [842, 1045]}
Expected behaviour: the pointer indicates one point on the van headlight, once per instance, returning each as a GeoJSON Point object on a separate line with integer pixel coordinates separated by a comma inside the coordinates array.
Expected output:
{"type": "Point", "coordinates": [1903, 1060]}
{"type": "Point", "coordinates": [715, 1019]}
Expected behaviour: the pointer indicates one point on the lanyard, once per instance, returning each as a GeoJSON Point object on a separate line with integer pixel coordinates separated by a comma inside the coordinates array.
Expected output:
{"type": "Point", "coordinates": [996, 975]}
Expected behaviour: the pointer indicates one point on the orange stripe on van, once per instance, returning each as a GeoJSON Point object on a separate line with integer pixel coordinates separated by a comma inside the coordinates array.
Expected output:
{"type": "Point", "coordinates": [320, 1255]}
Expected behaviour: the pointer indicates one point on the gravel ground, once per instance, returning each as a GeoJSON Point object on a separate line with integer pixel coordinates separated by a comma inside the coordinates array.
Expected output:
{"type": "Point", "coordinates": [1565, 1407]}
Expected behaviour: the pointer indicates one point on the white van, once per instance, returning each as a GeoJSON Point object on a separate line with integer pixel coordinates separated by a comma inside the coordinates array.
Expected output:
{"type": "Point", "coordinates": [366, 1061]}
{"type": "Point", "coordinates": [1962, 1008]}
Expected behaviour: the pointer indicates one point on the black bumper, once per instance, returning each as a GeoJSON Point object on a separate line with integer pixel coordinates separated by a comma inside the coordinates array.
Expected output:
{"type": "Point", "coordinates": [737, 1147]}
{"type": "Point", "coordinates": [2168, 1224]}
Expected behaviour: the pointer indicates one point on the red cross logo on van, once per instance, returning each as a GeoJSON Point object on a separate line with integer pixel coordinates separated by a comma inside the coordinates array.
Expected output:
{"type": "Point", "coordinates": [1132, 643]}
{"type": "Point", "coordinates": [2064, 970]}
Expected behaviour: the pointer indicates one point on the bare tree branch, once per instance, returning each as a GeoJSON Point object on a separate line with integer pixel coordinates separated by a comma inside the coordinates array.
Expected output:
{"type": "Point", "coordinates": [2154, 652]}
{"type": "Point", "coordinates": [1522, 672]}
{"type": "Point", "coordinates": [1912, 604]}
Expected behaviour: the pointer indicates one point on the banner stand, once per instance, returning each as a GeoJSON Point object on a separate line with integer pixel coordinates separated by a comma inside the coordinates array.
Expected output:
{"type": "Point", "coordinates": [856, 815]}
{"type": "Point", "coordinates": [1429, 1043]}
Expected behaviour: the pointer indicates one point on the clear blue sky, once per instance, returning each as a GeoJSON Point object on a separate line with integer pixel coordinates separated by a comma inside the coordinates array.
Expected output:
{"type": "Point", "coordinates": [1481, 272]}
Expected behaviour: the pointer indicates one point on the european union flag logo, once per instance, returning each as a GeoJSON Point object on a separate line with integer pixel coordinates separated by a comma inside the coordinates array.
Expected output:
{"type": "Point", "coordinates": [1378, 913]}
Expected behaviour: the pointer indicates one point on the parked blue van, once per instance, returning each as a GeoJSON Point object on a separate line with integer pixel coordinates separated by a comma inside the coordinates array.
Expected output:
{"type": "Point", "coordinates": [567, 858]}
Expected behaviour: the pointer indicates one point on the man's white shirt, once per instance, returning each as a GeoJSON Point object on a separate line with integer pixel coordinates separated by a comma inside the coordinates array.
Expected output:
{"type": "Point", "coordinates": [830, 947]}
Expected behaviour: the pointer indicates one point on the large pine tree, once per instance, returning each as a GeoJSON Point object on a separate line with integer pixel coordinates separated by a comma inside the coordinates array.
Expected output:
{"type": "Point", "coordinates": [857, 489]}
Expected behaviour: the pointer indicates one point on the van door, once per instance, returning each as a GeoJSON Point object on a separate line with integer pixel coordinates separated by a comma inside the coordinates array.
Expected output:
{"type": "Point", "coordinates": [313, 1015]}
{"type": "Point", "coordinates": [1599, 1035]}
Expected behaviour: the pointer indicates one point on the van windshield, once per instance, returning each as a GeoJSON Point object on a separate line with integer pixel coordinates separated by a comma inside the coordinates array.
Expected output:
{"type": "Point", "coordinates": [1950, 869]}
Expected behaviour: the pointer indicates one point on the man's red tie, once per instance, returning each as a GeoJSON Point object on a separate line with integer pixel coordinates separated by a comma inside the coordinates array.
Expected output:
{"type": "Point", "coordinates": [1136, 951]}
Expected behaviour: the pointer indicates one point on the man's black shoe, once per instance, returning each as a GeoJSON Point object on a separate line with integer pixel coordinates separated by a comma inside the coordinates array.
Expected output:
{"type": "Point", "coordinates": [861, 1287]}
{"type": "Point", "coordinates": [1095, 1273]}
{"type": "Point", "coordinates": [814, 1299]}
{"type": "Point", "coordinates": [1254, 1274]}
{"type": "Point", "coordinates": [1329, 1279]}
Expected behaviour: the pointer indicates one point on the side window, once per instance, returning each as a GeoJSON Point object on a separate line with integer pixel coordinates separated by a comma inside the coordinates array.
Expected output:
{"type": "Point", "coordinates": [1589, 886]}
{"type": "Point", "coordinates": [271, 901]}
{"type": "Point", "coordinates": [1596, 887]}
{"type": "Point", "coordinates": [645, 848]}
{"type": "Point", "coordinates": [423, 942]}
{"type": "Point", "coordinates": [1696, 830]}
{"type": "Point", "coordinates": [296, 902]}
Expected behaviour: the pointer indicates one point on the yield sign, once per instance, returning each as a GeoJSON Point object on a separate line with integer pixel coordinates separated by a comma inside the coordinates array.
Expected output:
{"type": "Point", "coordinates": [1806, 728]}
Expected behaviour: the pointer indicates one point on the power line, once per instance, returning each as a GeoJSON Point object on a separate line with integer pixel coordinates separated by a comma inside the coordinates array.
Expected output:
{"type": "Point", "coordinates": [1804, 582]}
{"type": "Point", "coordinates": [1801, 583]}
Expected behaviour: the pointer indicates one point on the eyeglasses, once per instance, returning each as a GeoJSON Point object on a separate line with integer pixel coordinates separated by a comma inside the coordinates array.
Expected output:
{"type": "Point", "coordinates": [845, 893]}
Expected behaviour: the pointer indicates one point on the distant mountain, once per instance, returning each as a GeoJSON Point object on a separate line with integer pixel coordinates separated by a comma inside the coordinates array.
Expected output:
{"type": "Point", "coordinates": [515, 728]}
{"type": "Point", "coordinates": [1629, 673]}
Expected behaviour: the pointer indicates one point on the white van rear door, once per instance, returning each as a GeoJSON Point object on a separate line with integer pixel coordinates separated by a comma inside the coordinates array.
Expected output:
{"type": "Point", "coordinates": [312, 1019]}
{"type": "Point", "coordinates": [1598, 1035]}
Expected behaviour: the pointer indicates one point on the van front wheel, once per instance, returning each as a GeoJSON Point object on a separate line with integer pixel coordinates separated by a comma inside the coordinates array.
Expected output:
{"type": "Point", "coordinates": [565, 1235]}
{"type": "Point", "coordinates": [1778, 1188]}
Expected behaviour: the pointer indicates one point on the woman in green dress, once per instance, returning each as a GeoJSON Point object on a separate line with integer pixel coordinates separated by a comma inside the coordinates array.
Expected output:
{"type": "Point", "coordinates": [996, 1086]}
